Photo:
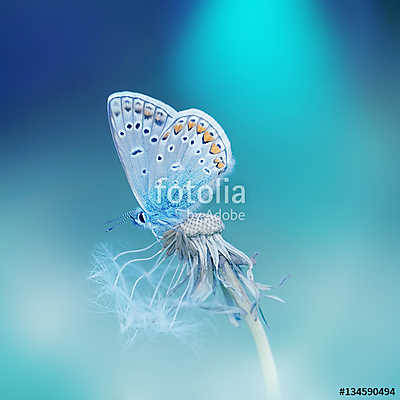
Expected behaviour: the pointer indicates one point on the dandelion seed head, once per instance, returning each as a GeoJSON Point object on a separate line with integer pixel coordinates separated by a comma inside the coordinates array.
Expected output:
{"type": "Point", "coordinates": [215, 267]}
{"type": "Point", "coordinates": [201, 224]}
{"type": "Point", "coordinates": [192, 268]}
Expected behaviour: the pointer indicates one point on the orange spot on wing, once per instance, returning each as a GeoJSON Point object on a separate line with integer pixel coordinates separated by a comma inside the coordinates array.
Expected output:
{"type": "Point", "coordinates": [166, 135]}
{"type": "Point", "coordinates": [207, 137]}
{"type": "Point", "coordinates": [200, 128]}
{"type": "Point", "coordinates": [178, 128]}
{"type": "Point", "coordinates": [191, 125]}
{"type": "Point", "coordinates": [220, 165]}
{"type": "Point", "coordinates": [215, 149]}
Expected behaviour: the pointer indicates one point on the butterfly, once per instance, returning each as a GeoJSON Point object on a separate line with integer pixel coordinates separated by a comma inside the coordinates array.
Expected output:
{"type": "Point", "coordinates": [169, 157]}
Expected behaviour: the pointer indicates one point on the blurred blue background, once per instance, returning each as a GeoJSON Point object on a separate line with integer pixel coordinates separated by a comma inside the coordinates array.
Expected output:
{"type": "Point", "coordinates": [308, 92]}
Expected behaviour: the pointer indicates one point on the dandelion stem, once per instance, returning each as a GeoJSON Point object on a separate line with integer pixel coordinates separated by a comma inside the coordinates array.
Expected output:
{"type": "Point", "coordinates": [266, 358]}
{"type": "Point", "coordinates": [259, 335]}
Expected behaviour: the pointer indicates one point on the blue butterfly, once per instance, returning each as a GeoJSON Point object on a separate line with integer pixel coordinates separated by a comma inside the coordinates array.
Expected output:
{"type": "Point", "coordinates": [167, 156]}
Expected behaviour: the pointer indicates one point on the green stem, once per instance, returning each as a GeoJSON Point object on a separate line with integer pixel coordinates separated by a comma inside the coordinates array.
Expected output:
{"type": "Point", "coordinates": [259, 335]}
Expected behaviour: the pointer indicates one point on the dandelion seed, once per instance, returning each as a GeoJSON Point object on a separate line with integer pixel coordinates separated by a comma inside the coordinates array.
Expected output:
{"type": "Point", "coordinates": [147, 311]}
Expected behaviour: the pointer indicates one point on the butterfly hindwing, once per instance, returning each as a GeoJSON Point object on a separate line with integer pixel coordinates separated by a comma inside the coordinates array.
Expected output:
{"type": "Point", "coordinates": [193, 150]}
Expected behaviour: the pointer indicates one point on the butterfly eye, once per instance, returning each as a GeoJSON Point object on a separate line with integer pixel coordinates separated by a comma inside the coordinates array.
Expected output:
{"type": "Point", "coordinates": [141, 218]}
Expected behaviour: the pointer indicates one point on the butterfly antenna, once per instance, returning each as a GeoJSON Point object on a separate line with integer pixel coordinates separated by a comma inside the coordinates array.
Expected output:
{"type": "Point", "coordinates": [123, 219]}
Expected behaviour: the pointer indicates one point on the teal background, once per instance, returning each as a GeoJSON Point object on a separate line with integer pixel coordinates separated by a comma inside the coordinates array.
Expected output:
{"type": "Point", "coordinates": [308, 93]}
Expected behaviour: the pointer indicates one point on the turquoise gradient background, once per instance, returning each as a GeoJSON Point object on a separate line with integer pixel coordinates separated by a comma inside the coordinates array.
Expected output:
{"type": "Point", "coordinates": [308, 93]}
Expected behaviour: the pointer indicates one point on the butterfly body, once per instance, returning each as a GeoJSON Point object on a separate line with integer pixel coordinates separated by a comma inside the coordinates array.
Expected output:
{"type": "Point", "coordinates": [168, 156]}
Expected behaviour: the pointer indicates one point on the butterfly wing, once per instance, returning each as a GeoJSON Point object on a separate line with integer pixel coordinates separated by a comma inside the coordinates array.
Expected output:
{"type": "Point", "coordinates": [167, 156]}
{"type": "Point", "coordinates": [192, 152]}
{"type": "Point", "coordinates": [135, 120]}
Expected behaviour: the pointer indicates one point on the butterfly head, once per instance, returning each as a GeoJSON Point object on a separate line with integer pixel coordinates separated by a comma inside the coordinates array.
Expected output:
{"type": "Point", "coordinates": [139, 217]}
{"type": "Point", "coordinates": [157, 221]}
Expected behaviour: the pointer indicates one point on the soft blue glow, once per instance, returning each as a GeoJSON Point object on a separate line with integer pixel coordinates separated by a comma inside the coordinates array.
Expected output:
{"type": "Point", "coordinates": [316, 149]}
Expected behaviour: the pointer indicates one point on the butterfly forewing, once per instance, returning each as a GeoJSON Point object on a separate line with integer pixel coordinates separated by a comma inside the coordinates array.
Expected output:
{"type": "Point", "coordinates": [135, 121]}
